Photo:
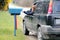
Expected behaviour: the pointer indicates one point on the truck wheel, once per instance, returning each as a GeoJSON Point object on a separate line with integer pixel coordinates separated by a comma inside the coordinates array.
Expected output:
{"type": "Point", "coordinates": [39, 35]}
{"type": "Point", "coordinates": [26, 32]}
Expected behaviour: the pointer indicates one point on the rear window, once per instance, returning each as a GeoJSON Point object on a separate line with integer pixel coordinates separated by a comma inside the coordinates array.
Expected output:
{"type": "Point", "coordinates": [42, 7]}
{"type": "Point", "coordinates": [56, 6]}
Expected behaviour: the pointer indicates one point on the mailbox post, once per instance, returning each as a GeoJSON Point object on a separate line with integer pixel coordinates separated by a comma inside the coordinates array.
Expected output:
{"type": "Point", "coordinates": [15, 11]}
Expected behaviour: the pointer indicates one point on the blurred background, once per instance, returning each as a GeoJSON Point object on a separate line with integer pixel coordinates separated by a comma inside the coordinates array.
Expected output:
{"type": "Point", "coordinates": [24, 3]}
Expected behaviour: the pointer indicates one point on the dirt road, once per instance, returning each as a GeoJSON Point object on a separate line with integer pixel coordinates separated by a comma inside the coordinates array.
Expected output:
{"type": "Point", "coordinates": [31, 37]}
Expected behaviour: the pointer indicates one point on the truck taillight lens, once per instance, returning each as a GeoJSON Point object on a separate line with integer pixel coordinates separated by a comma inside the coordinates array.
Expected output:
{"type": "Point", "coordinates": [50, 7]}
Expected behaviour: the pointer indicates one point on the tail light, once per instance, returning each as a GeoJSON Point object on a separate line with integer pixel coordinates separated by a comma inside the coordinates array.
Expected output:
{"type": "Point", "coordinates": [49, 18]}
{"type": "Point", "coordinates": [50, 7]}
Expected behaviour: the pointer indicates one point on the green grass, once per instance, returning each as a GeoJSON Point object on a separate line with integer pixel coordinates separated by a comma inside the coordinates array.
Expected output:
{"type": "Point", "coordinates": [7, 27]}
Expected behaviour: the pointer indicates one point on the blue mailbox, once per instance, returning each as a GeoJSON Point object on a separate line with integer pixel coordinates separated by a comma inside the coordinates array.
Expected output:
{"type": "Point", "coordinates": [15, 11]}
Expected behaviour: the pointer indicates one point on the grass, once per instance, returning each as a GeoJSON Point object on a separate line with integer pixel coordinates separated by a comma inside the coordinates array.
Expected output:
{"type": "Point", "coordinates": [7, 27]}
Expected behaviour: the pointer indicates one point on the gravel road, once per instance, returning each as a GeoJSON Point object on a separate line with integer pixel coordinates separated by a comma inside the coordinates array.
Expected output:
{"type": "Point", "coordinates": [31, 36]}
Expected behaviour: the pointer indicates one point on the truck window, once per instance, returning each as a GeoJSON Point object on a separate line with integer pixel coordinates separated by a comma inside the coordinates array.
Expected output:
{"type": "Point", "coordinates": [42, 7]}
{"type": "Point", "coordinates": [45, 7]}
{"type": "Point", "coordinates": [56, 6]}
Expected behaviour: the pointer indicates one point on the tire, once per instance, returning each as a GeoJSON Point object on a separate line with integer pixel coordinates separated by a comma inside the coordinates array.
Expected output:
{"type": "Point", "coordinates": [26, 32]}
{"type": "Point", "coordinates": [39, 34]}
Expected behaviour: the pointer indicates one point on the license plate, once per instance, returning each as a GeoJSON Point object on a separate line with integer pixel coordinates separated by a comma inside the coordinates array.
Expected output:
{"type": "Point", "coordinates": [57, 21]}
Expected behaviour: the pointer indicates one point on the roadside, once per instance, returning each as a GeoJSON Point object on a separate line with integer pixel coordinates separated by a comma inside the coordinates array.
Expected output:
{"type": "Point", "coordinates": [20, 25]}
{"type": "Point", "coordinates": [7, 27]}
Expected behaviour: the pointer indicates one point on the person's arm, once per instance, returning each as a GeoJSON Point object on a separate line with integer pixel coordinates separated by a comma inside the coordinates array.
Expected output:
{"type": "Point", "coordinates": [33, 8]}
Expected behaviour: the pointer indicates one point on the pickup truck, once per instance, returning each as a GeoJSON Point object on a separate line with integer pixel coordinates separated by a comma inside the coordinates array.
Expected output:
{"type": "Point", "coordinates": [45, 21]}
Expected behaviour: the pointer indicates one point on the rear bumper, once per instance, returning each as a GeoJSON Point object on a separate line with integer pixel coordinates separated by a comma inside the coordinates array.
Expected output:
{"type": "Point", "coordinates": [50, 30]}
{"type": "Point", "coordinates": [50, 33]}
